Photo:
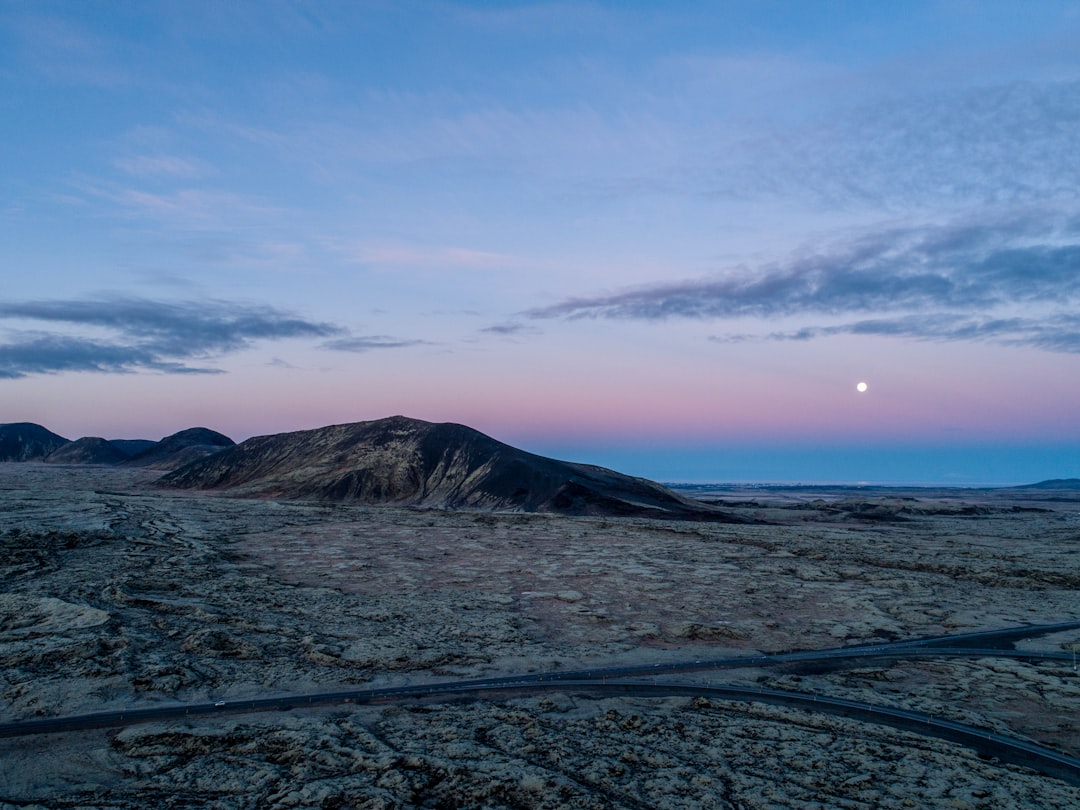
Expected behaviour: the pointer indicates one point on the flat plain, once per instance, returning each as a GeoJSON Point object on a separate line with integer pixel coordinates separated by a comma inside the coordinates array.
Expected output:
{"type": "Point", "coordinates": [117, 594]}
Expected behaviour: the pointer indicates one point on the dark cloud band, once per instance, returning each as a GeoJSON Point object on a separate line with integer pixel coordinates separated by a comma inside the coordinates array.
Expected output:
{"type": "Point", "coordinates": [1059, 333]}
{"type": "Point", "coordinates": [961, 273]}
{"type": "Point", "coordinates": [142, 334]}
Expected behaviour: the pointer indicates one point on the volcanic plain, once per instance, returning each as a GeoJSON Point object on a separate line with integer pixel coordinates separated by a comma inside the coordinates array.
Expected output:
{"type": "Point", "coordinates": [115, 593]}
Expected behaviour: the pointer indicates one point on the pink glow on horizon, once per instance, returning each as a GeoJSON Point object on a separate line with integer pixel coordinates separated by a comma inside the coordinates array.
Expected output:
{"type": "Point", "coordinates": [609, 395]}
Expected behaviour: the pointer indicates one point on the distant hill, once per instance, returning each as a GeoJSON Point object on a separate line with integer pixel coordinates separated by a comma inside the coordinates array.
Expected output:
{"type": "Point", "coordinates": [130, 447]}
{"type": "Point", "coordinates": [1053, 484]}
{"type": "Point", "coordinates": [408, 462]}
{"type": "Point", "coordinates": [25, 441]}
{"type": "Point", "coordinates": [181, 448]}
{"type": "Point", "coordinates": [87, 450]}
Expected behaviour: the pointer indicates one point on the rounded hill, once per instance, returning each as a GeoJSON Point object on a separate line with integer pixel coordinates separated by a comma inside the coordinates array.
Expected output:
{"type": "Point", "coordinates": [87, 450]}
{"type": "Point", "coordinates": [26, 441]}
{"type": "Point", "coordinates": [181, 448]}
{"type": "Point", "coordinates": [408, 462]}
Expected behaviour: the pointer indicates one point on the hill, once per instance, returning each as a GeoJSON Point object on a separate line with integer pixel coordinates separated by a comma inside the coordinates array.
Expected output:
{"type": "Point", "coordinates": [1054, 484]}
{"type": "Point", "coordinates": [130, 447]}
{"type": "Point", "coordinates": [181, 448]}
{"type": "Point", "coordinates": [25, 441]}
{"type": "Point", "coordinates": [409, 462]}
{"type": "Point", "coordinates": [87, 450]}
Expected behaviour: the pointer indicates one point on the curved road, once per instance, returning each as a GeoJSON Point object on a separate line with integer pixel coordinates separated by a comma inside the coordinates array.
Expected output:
{"type": "Point", "coordinates": [596, 682]}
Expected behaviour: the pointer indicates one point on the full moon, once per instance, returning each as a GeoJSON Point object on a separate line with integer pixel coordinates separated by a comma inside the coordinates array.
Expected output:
{"type": "Point", "coordinates": [861, 387]}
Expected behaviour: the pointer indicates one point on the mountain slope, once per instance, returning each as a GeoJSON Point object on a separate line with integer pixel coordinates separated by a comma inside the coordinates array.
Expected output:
{"type": "Point", "coordinates": [87, 450]}
{"type": "Point", "coordinates": [130, 447]}
{"type": "Point", "coordinates": [181, 448]}
{"type": "Point", "coordinates": [25, 441]}
{"type": "Point", "coordinates": [1053, 484]}
{"type": "Point", "coordinates": [408, 462]}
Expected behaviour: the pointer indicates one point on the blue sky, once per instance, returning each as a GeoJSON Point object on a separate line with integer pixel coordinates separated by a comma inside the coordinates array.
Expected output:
{"type": "Point", "coordinates": [667, 239]}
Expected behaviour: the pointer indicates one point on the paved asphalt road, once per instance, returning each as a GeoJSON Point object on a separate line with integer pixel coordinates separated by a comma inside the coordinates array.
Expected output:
{"type": "Point", "coordinates": [611, 680]}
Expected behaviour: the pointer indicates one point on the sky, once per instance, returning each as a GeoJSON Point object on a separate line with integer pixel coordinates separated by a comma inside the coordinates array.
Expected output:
{"type": "Point", "coordinates": [665, 238]}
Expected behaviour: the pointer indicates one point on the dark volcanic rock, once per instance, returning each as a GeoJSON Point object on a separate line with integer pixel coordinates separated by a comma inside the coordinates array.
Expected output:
{"type": "Point", "coordinates": [25, 441]}
{"type": "Point", "coordinates": [408, 462]}
{"type": "Point", "coordinates": [181, 448]}
{"type": "Point", "coordinates": [87, 450]}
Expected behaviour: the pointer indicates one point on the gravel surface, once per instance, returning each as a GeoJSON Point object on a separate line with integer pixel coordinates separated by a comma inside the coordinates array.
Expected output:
{"type": "Point", "coordinates": [114, 594]}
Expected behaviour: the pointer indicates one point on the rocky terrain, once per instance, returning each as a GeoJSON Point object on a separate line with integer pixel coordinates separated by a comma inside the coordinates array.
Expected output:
{"type": "Point", "coordinates": [114, 593]}
{"type": "Point", "coordinates": [408, 462]}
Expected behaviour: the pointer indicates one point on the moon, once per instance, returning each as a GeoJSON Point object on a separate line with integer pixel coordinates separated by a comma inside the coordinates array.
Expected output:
{"type": "Point", "coordinates": [861, 388]}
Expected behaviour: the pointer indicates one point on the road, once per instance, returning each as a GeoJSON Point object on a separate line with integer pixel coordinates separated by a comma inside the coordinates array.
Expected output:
{"type": "Point", "coordinates": [607, 681]}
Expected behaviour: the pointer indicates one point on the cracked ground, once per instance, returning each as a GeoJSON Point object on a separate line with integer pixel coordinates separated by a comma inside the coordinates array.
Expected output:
{"type": "Point", "coordinates": [116, 594]}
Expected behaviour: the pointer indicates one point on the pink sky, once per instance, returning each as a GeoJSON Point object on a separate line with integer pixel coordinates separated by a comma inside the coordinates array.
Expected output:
{"type": "Point", "coordinates": [584, 229]}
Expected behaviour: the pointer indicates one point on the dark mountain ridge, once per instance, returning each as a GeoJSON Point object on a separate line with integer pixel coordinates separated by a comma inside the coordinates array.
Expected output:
{"type": "Point", "coordinates": [181, 448]}
{"type": "Point", "coordinates": [408, 462]}
{"type": "Point", "coordinates": [1054, 484]}
{"type": "Point", "coordinates": [130, 447]}
{"type": "Point", "coordinates": [26, 441]}
{"type": "Point", "coordinates": [87, 450]}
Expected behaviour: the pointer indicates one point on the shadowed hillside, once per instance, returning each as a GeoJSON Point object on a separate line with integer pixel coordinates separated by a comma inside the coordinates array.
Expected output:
{"type": "Point", "coordinates": [181, 448]}
{"type": "Point", "coordinates": [87, 450]}
{"type": "Point", "coordinates": [25, 441]}
{"type": "Point", "coordinates": [408, 462]}
{"type": "Point", "coordinates": [130, 447]}
{"type": "Point", "coordinates": [1054, 484]}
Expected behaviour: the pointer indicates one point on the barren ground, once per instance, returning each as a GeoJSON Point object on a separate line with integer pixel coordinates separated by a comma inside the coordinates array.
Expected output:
{"type": "Point", "coordinates": [115, 594]}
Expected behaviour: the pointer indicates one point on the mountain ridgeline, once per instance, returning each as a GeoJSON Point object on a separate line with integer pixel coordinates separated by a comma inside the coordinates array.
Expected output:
{"type": "Point", "coordinates": [87, 450]}
{"type": "Point", "coordinates": [26, 441]}
{"type": "Point", "coordinates": [180, 449]}
{"type": "Point", "coordinates": [408, 462]}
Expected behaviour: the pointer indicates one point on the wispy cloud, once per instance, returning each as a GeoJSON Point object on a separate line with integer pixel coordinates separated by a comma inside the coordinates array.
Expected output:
{"type": "Point", "coordinates": [805, 133]}
{"type": "Point", "coordinates": [1059, 333]}
{"type": "Point", "coordinates": [140, 334]}
{"type": "Point", "coordinates": [510, 329]}
{"type": "Point", "coordinates": [366, 343]}
{"type": "Point", "coordinates": [1002, 142]}
{"type": "Point", "coordinates": [192, 209]}
{"type": "Point", "coordinates": [1011, 142]}
{"type": "Point", "coordinates": [962, 274]}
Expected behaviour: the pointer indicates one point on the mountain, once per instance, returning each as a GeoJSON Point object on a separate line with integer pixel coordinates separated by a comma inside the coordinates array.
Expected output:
{"type": "Point", "coordinates": [87, 450]}
{"type": "Point", "coordinates": [25, 441]}
{"type": "Point", "coordinates": [130, 447]}
{"type": "Point", "coordinates": [408, 462]}
{"type": "Point", "coordinates": [1054, 484]}
{"type": "Point", "coordinates": [181, 448]}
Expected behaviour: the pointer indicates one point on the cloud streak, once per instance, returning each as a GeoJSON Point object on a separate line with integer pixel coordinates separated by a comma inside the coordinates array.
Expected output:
{"type": "Point", "coordinates": [961, 273]}
{"type": "Point", "coordinates": [1058, 333]}
{"type": "Point", "coordinates": [141, 334]}
{"type": "Point", "coordinates": [510, 329]}
{"type": "Point", "coordinates": [365, 343]}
